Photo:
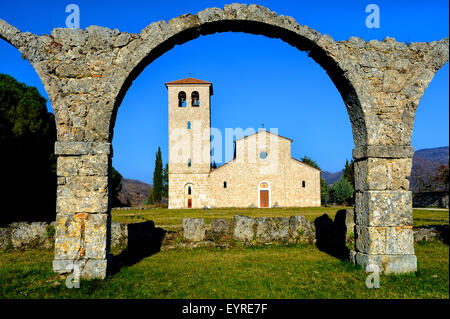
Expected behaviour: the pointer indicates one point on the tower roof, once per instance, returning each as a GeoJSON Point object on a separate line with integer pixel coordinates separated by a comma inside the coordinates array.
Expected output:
{"type": "Point", "coordinates": [190, 81]}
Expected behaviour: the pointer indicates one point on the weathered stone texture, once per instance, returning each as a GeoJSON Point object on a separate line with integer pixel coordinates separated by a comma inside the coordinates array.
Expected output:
{"type": "Point", "coordinates": [5, 238]}
{"type": "Point", "coordinates": [243, 228]}
{"type": "Point", "coordinates": [300, 228]}
{"type": "Point", "coordinates": [271, 229]}
{"type": "Point", "coordinates": [382, 174]}
{"type": "Point", "coordinates": [119, 235]}
{"type": "Point", "coordinates": [88, 268]}
{"type": "Point", "coordinates": [81, 236]}
{"type": "Point", "coordinates": [83, 194]}
{"type": "Point", "coordinates": [385, 240]}
{"type": "Point", "coordinates": [29, 235]}
{"type": "Point", "coordinates": [424, 234]}
{"type": "Point", "coordinates": [194, 229]}
{"type": "Point", "coordinates": [219, 227]}
{"type": "Point", "coordinates": [388, 264]}
{"type": "Point", "coordinates": [384, 208]}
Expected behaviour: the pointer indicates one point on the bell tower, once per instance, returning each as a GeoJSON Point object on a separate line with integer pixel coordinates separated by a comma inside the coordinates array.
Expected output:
{"type": "Point", "coordinates": [189, 139]}
{"type": "Point", "coordinates": [189, 126]}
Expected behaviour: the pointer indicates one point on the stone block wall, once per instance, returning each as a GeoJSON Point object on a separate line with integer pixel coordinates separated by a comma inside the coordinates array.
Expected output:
{"type": "Point", "coordinates": [251, 230]}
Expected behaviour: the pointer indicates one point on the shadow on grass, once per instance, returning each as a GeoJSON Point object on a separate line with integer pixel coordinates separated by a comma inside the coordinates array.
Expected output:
{"type": "Point", "coordinates": [331, 235]}
{"type": "Point", "coordinates": [144, 240]}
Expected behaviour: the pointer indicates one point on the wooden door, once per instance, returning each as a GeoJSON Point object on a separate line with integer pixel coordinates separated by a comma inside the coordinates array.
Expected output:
{"type": "Point", "coordinates": [263, 198]}
{"type": "Point", "coordinates": [189, 202]}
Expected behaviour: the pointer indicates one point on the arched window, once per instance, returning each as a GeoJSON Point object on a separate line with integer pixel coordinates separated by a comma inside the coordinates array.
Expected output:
{"type": "Point", "coordinates": [303, 184]}
{"type": "Point", "coordinates": [189, 125]}
{"type": "Point", "coordinates": [189, 163]}
{"type": "Point", "coordinates": [195, 98]}
{"type": "Point", "coordinates": [225, 184]}
{"type": "Point", "coordinates": [189, 190]}
{"type": "Point", "coordinates": [182, 99]}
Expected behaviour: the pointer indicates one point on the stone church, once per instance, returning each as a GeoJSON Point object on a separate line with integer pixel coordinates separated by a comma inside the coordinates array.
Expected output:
{"type": "Point", "coordinates": [261, 174]}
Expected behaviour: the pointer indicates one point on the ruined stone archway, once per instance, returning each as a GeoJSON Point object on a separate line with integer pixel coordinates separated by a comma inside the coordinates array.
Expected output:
{"type": "Point", "coordinates": [86, 74]}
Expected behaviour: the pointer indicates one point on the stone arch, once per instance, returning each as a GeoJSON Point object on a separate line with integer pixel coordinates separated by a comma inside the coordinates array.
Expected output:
{"type": "Point", "coordinates": [251, 19]}
{"type": "Point", "coordinates": [35, 49]}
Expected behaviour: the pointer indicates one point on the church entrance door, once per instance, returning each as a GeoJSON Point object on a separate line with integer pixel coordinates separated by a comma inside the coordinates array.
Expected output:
{"type": "Point", "coordinates": [263, 198]}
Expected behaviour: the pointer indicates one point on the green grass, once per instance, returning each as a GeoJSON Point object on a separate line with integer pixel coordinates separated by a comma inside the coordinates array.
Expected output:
{"type": "Point", "coordinates": [426, 217]}
{"type": "Point", "coordinates": [299, 271]}
{"type": "Point", "coordinates": [164, 217]}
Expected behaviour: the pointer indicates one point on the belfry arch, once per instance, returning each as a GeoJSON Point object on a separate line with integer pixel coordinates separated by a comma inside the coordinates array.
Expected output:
{"type": "Point", "coordinates": [86, 74]}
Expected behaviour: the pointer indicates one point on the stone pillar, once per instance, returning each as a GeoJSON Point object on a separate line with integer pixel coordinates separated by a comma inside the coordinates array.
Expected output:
{"type": "Point", "coordinates": [383, 208]}
{"type": "Point", "coordinates": [83, 221]}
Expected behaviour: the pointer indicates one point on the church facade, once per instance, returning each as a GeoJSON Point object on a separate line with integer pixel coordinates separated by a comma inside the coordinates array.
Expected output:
{"type": "Point", "coordinates": [261, 174]}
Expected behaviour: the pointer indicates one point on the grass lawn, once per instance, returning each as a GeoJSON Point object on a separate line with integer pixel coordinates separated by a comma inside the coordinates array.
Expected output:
{"type": "Point", "coordinates": [173, 218]}
{"type": "Point", "coordinates": [299, 271]}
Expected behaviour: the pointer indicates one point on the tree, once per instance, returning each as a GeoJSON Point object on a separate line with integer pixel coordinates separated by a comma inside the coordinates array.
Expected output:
{"type": "Point", "coordinates": [157, 178]}
{"type": "Point", "coordinates": [214, 165]}
{"type": "Point", "coordinates": [165, 183]}
{"type": "Point", "coordinates": [324, 189]}
{"type": "Point", "coordinates": [27, 160]}
{"type": "Point", "coordinates": [442, 177]}
{"type": "Point", "coordinates": [116, 187]}
{"type": "Point", "coordinates": [349, 172]}
{"type": "Point", "coordinates": [343, 190]}
{"type": "Point", "coordinates": [310, 162]}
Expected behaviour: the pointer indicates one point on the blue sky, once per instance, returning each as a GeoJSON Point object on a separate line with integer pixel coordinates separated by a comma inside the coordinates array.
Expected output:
{"type": "Point", "coordinates": [265, 80]}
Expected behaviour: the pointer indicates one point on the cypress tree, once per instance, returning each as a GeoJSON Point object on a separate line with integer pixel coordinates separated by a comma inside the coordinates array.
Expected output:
{"type": "Point", "coordinates": [157, 178]}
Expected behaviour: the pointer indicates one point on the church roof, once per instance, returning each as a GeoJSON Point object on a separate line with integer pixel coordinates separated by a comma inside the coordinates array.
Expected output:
{"type": "Point", "coordinates": [190, 81]}
{"type": "Point", "coordinates": [264, 130]}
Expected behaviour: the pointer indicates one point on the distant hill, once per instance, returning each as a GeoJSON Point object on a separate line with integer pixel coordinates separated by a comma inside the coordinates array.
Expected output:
{"type": "Point", "coordinates": [134, 192]}
{"type": "Point", "coordinates": [426, 162]}
{"type": "Point", "coordinates": [331, 178]}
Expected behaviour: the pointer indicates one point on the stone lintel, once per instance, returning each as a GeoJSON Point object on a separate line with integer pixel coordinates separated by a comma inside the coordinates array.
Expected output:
{"type": "Point", "coordinates": [82, 148]}
{"type": "Point", "coordinates": [383, 151]}
{"type": "Point", "coordinates": [388, 264]}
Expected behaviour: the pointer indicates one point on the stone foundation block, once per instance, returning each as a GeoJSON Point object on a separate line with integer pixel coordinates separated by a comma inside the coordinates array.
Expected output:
{"type": "Point", "coordinates": [371, 240]}
{"type": "Point", "coordinates": [384, 208]}
{"type": "Point", "coordinates": [29, 235]}
{"type": "Point", "coordinates": [81, 236]}
{"type": "Point", "coordinates": [119, 235]}
{"type": "Point", "coordinates": [243, 228]}
{"type": "Point", "coordinates": [194, 229]}
{"type": "Point", "coordinates": [271, 229]}
{"type": "Point", "coordinates": [89, 268]}
{"type": "Point", "coordinates": [219, 227]}
{"type": "Point", "coordinates": [95, 236]}
{"type": "Point", "coordinates": [385, 240]}
{"type": "Point", "coordinates": [388, 264]}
